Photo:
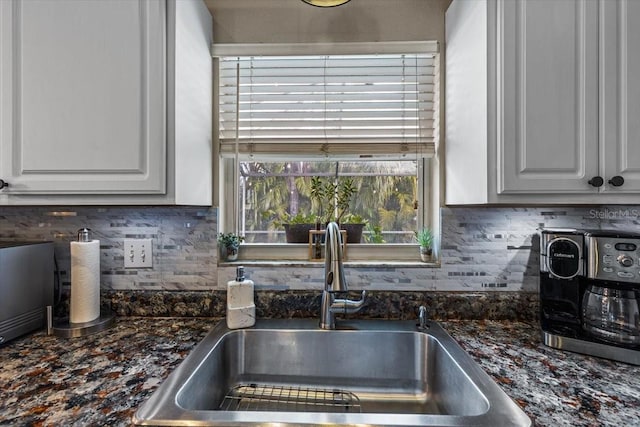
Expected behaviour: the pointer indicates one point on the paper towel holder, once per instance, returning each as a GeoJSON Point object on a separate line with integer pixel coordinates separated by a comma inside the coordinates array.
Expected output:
{"type": "Point", "coordinates": [84, 235]}
{"type": "Point", "coordinates": [66, 329]}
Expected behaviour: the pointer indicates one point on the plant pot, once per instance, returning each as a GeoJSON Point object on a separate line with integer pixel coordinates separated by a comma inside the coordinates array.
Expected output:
{"type": "Point", "coordinates": [298, 233]}
{"type": "Point", "coordinates": [426, 254]}
{"type": "Point", "coordinates": [354, 232]}
{"type": "Point", "coordinates": [229, 253]}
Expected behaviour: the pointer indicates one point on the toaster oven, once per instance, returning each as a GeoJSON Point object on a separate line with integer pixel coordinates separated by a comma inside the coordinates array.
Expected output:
{"type": "Point", "coordinates": [26, 287]}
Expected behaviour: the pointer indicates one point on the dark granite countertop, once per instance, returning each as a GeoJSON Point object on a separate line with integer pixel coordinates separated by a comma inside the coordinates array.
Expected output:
{"type": "Point", "coordinates": [102, 379]}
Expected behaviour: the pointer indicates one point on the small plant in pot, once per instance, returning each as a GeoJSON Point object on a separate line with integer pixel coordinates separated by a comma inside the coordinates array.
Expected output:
{"type": "Point", "coordinates": [229, 245]}
{"type": "Point", "coordinates": [331, 200]}
{"type": "Point", "coordinates": [425, 240]}
{"type": "Point", "coordinates": [297, 227]}
{"type": "Point", "coordinates": [354, 225]}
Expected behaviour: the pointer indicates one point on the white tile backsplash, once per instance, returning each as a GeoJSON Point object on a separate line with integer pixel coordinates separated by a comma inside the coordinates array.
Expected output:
{"type": "Point", "coordinates": [483, 248]}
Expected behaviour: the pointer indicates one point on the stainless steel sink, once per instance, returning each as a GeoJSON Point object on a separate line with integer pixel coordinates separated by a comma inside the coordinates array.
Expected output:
{"type": "Point", "coordinates": [367, 372]}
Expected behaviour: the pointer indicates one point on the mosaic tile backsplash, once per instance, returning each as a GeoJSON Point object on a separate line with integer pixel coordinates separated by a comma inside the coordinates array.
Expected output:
{"type": "Point", "coordinates": [184, 241]}
{"type": "Point", "coordinates": [483, 248]}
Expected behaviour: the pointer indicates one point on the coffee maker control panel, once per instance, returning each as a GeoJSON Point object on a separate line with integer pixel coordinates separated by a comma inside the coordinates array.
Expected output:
{"type": "Point", "coordinates": [613, 258]}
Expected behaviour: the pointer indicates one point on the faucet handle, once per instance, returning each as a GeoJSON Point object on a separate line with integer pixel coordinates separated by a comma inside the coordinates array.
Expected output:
{"type": "Point", "coordinates": [422, 318]}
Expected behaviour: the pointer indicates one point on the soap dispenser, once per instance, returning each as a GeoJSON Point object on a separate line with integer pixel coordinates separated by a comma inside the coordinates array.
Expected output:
{"type": "Point", "coordinates": [241, 309]}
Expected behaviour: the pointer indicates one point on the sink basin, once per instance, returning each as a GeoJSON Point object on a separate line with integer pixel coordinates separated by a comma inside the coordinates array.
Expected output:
{"type": "Point", "coordinates": [369, 372]}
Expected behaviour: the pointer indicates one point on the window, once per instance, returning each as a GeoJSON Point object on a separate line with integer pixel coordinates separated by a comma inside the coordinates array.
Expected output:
{"type": "Point", "coordinates": [367, 118]}
{"type": "Point", "coordinates": [386, 195]}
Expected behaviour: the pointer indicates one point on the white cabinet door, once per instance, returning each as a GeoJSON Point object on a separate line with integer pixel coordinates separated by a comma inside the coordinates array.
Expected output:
{"type": "Point", "coordinates": [620, 109]}
{"type": "Point", "coordinates": [82, 96]}
{"type": "Point", "coordinates": [548, 96]}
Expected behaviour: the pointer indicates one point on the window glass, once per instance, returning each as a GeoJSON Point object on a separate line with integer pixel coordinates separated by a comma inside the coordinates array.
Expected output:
{"type": "Point", "coordinates": [384, 196]}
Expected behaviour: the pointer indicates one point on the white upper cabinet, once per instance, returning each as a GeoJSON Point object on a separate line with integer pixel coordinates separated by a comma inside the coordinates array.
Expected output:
{"type": "Point", "coordinates": [620, 93]}
{"type": "Point", "coordinates": [548, 135]}
{"type": "Point", "coordinates": [83, 96]}
{"type": "Point", "coordinates": [545, 106]}
{"type": "Point", "coordinates": [88, 98]}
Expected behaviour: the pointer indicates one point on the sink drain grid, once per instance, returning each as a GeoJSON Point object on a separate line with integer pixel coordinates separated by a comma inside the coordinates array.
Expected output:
{"type": "Point", "coordinates": [258, 397]}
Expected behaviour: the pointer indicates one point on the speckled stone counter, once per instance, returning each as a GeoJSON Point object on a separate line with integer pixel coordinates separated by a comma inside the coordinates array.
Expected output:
{"type": "Point", "coordinates": [521, 306]}
{"type": "Point", "coordinates": [102, 379]}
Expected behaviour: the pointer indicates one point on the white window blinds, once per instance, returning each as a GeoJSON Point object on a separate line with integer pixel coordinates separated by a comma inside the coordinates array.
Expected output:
{"type": "Point", "coordinates": [328, 105]}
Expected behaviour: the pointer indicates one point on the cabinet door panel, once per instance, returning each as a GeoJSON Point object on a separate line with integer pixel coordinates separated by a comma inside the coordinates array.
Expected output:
{"type": "Point", "coordinates": [83, 96]}
{"type": "Point", "coordinates": [620, 62]}
{"type": "Point", "coordinates": [547, 129]}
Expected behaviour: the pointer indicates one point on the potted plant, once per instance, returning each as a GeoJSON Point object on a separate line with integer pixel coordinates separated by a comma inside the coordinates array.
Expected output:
{"type": "Point", "coordinates": [229, 245]}
{"type": "Point", "coordinates": [354, 225]}
{"type": "Point", "coordinates": [329, 202]}
{"type": "Point", "coordinates": [425, 240]}
{"type": "Point", "coordinates": [297, 227]}
{"type": "Point", "coordinates": [332, 201]}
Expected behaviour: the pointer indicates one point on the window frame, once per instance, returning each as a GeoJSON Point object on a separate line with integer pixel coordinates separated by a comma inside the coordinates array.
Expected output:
{"type": "Point", "coordinates": [363, 253]}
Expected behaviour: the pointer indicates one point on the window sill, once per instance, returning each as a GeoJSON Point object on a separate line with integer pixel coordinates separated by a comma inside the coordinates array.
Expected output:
{"type": "Point", "coordinates": [320, 264]}
{"type": "Point", "coordinates": [357, 255]}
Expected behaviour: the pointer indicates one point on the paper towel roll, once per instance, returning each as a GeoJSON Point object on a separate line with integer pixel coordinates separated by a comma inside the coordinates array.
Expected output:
{"type": "Point", "coordinates": [85, 281]}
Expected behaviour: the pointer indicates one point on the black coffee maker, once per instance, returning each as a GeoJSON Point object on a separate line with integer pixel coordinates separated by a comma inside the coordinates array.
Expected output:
{"type": "Point", "coordinates": [590, 292]}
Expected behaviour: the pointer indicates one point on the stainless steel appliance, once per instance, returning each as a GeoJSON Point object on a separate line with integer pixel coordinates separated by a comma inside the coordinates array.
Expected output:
{"type": "Point", "coordinates": [26, 287]}
{"type": "Point", "coordinates": [590, 292]}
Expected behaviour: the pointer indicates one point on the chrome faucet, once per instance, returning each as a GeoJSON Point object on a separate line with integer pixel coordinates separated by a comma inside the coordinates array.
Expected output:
{"type": "Point", "coordinates": [334, 281]}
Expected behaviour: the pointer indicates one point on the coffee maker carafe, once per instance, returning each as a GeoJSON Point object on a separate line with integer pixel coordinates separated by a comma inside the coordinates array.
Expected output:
{"type": "Point", "coordinates": [611, 314]}
{"type": "Point", "coordinates": [610, 304]}
{"type": "Point", "coordinates": [590, 292]}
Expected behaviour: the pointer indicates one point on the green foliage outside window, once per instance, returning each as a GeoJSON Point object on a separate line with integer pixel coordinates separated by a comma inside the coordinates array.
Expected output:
{"type": "Point", "coordinates": [275, 193]}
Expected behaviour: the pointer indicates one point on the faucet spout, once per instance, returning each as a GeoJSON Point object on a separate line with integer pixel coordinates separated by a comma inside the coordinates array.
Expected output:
{"type": "Point", "coordinates": [333, 268]}
{"type": "Point", "coordinates": [335, 281]}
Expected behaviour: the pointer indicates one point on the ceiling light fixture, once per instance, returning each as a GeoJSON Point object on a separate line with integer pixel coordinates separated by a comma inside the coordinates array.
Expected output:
{"type": "Point", "coordinates": [325, 3]}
